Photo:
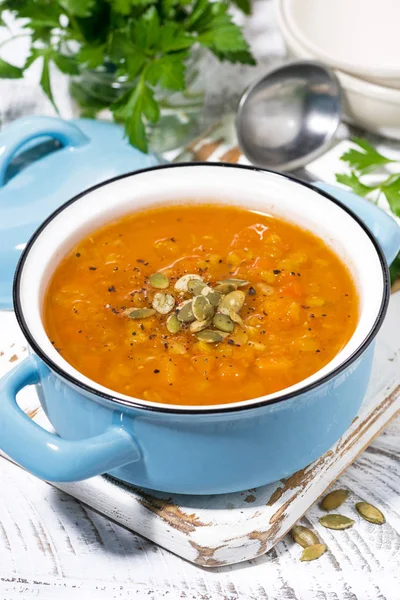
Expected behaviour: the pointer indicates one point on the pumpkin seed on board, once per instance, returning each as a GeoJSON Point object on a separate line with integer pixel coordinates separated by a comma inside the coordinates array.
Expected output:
{"type": "Point", "coordinates": [334, 499]}
{"type": "Point", "coordinates": [223, 323]}
{"type": "Point", "coordinates": [336, 521]}
{"type": "Point", "coordinates": [313, 552]}
{"type": "Point", "coordinates": [236, 318]}
{"type": "Point", "coordinates": [159, 281]}
{"type": "Point", "coordinates": [163, 303]}
{"type": "Point", "coordinates": [173, 324]}
{"type": "Point", "coordinates": [233, 300]}
{"type": "Point", "coordinates": [370, 513]}
{"type": "Point", "coordinates": [185, 312]}
{"type": "Point", "coordinates": [212, 296]}
{"type": "Point", "coordinates": [195, 286]}
{"type": "Point", "coordinates": [182, 284]}
{"type": "Point", "coordinates": [237, 283]}
{"type": "Point", "coordinates": [210, 336]}
{"type": "Point", "coordinates": [202, 308]}
{"type": "Point", "coordinates": [141, 313]}
{"type": "Point", "coordinates": [197, 326]}
{"type": "Point", "coordinates": [303, 536]}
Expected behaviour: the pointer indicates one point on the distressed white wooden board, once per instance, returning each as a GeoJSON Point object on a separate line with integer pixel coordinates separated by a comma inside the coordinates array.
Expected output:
{"type": "Point", "coordinates": [49, 537]}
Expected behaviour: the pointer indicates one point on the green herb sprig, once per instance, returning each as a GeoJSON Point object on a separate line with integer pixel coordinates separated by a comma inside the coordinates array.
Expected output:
{"type": "Point", "coordinates": [364, 160]}
{"type": "Point", "coordinates": [146, 42]}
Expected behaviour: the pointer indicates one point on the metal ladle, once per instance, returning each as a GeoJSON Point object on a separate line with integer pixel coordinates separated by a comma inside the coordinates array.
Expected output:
{"type": "Point", "coordinates": [289, 117]}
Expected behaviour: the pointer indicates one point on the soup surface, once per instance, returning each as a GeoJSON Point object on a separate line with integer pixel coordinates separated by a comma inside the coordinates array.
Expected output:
{"type": "Point", "coordinates": [119, 310]}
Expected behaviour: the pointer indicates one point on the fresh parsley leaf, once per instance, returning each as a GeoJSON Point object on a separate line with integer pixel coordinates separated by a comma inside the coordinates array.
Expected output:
{"type": "Point", "coordinates": [78, 8]}
{"type": "Point", "coordinates": [91, 57]}
{"type": "Point", "coordinates": [66, 64]}
{"type": "Point", "coordinates": [395, 269]}
{"type": "Point", "coordinates": [8, 71]}
{"type": "Point", "coordinates": [172, 38]}
{"type": "Point", "coordinates": [131, 113]}
{"type": "Point", "coordinates": [220, 34]}
{"type": "Point", "coordinates": [124, 7]}
{"type": "Point", "coordinates": [168, 71]}
{"type": "Point", "coordinates": [353, 182]}
{"type": "Point", "coordinates": [244, 6]}
{"type": "Point", "coordinates": [45, 80]}
{"type": "Point", "coordinates": [366, 160]}
{"type": "Point", "coordinates": [146, 30]}
{"type": "Point", "coordinates": [391, 189]}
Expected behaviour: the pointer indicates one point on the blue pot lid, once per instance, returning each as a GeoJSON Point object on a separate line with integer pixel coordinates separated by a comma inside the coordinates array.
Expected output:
{"type": "Point", "coordinates": [44, 162]}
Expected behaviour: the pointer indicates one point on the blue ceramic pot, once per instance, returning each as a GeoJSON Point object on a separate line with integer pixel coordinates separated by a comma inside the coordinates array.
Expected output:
{"type": "Point", "coordinates": [186, 449]}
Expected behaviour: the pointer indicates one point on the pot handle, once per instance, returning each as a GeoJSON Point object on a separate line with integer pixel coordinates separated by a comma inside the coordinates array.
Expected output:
{"type": "Point", "coordinates": [20, 132]}
{"type": "Point", "coordinates": [45, 454]}
{"type": "Point", "coordinates": [381, 224]}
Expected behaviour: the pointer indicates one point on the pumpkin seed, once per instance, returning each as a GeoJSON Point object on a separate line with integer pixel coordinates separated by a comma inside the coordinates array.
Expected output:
{"type": "Point", "coordinates": [163, 303]}
{"type": "Point", "coordinates": [233, 300]}
{"type": "Point", "coordinates": [236, 318]}
{"type": "Point", "coordinates": [313, 552]}
{"type": "Point", "coordinates": [195, 286]}
{"type": "Point", "coordinates": [159, 281]}
{"type": "Point", "coordinates": [197, 326]}
{"type": "Point", "coordinates": [223, 323]}
{"type": "Point", "coordinates": [173, 324]}
{"type": "Point", "coordinates": [210, 336]}
{"type": "Point", "coordinates": [303, 536]}
{"type": "Point", "coordinates": [141, 313]}
{"type": "Point", "coordinates": [336, 521]}
{"type": "Point", "coordinates": [224, 288]}
{"type": "Point", "coordinates": [182, 284]}
{"type": "Point", "coordinates": [212, 296]}
{"type": "Point", "coordinates": [185, 312]}
{"type": "Point", "coordinates": [334, 499]}
{"type": "Point", "coordinates": [237, 283]}
{"type": "Point", "coordinates": [370, 513]}
{"type": "Point", "coordinates": [201, 308]}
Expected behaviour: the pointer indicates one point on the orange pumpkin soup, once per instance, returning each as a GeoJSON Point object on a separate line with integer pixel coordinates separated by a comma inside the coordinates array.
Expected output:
{"type": "Point", "coordinates": [200, 305]}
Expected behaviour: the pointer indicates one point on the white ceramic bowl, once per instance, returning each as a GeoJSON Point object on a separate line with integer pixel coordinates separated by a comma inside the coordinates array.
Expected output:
{"type": "Point", "coordinates": [370, 106]}
{"type": "Point", "coordinates": [356, 36]}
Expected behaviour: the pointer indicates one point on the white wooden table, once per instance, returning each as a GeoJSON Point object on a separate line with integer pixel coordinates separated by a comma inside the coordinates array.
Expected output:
{"type": "Point", "coordinates": [53, 547]}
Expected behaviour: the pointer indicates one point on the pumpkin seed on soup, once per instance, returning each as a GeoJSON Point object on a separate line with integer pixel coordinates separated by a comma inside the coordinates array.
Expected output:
{"type": "Point", "coordinates": [195, 286]}
{"type": "Point", "coordinates": [197, 326]}
{"type": "Point", "coordinates": [223, 323]}
{"type": "Point", "coordinates": [163, 303]}
{"type": "Point", "coordinates": [210, 336]}
{"type": "Point", "coordinates": [233, 300]}
{"type": "Point", "coordinates": [236, 318]}
{"type": "Point", "coordinates": [182, 284]}
{"type": "Point", "coordinates": [334, 499]}
{"type": "Point", "coordinates": [313, 552]}
{"type": "Point", "coordinates": [173, 324]}
{"type": "Point", "coordinates": [141, 313]}
{"type": "Point", "coordinates": [235, 282]}
{"type": "Point", "coordinates": [303, 536]}
{"type": "Point", "coordinates": [336, 521]}
{"type": "Point", "coordinates": [159, 281]}
{"type": "Point", "coordinates": [370, 513]}
{"type": "Point", "coordinates": [185, 312]}
{"type": "Point", "coordinates": [202, 308]}
{"type": "Point", "coordinates": [212, 296]}
{"type": "Point", "coordinates": [224, 288]}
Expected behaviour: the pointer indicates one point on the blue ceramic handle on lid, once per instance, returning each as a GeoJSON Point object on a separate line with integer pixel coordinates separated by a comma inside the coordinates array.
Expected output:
{"type": "Point", "coordinates": [383, 226]}
{"type": "Point", "coordinates": [45, 454]}
{"type": "Point", "coordinates": [18, 134]}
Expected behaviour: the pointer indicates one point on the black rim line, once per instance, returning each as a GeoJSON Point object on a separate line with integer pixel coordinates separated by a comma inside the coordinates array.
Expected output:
{"type": "Point", "coordinates": [228, 407]}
